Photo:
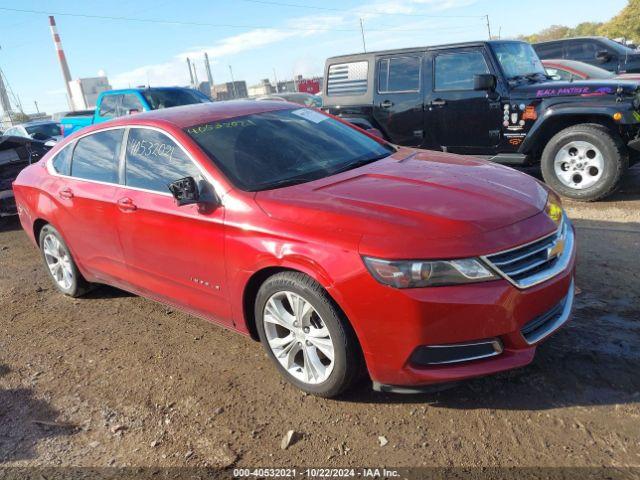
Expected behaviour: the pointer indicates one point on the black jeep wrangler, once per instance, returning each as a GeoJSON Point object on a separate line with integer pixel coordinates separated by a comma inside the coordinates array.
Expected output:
{"type": "Point", "coordinates": [493, 100]}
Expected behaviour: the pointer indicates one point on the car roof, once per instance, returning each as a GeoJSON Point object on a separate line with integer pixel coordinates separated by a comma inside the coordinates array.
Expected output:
{"type": "Point", "coordinates": [593, 37]}
{"type": "Point", "coordinates": [189, 115]}
{"type": "Point", "coordinates": [36, 122]}
{"type": "Point", "coordinates": [428, 47]}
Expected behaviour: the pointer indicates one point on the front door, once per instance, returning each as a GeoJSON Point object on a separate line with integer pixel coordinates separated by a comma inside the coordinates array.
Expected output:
{"type": "Point", "coordinates": [462, 119]}
{"type": "Point", "coordinates": [174, 254]}
{"type": "Point", "coordinates": [398, 98]}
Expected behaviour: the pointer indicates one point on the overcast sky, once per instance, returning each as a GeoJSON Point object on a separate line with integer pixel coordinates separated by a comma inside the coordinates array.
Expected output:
{"type": "Point", "coordinates": [254, 36]}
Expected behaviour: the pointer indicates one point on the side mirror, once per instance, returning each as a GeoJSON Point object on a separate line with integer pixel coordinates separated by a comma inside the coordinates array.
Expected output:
{"type": "Point", "coordinates": [185, 191]}
{"type": "Point", "coordinates": [375, 132]}
{"type": "Point", "coordinates": [603, 56]}
{"type": "Point", "coordinates": [133, 110]}
{"type": "Point", "coordinates": [484, 82]}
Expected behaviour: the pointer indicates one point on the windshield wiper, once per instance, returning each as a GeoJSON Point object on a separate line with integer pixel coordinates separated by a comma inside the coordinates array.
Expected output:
{"type": "Point", "coordinates": [360, 163]}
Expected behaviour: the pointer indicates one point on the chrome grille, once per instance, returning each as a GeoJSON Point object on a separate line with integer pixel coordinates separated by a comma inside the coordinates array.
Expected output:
{"type": "Point", "coordinates": [535, 262]}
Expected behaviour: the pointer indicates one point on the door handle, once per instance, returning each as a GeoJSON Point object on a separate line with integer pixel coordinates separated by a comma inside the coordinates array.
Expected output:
{"type": "Point", "coordinates": [386, 104]}
{"type": "Point", "coordinates": [438, 102]}
{"type": "Point", "coordinates": [126, 205]}
{"type": "Point", "coordinates": [65, 193]}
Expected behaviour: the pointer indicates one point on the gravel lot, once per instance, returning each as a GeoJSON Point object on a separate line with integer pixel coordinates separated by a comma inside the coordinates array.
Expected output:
{"type": "Point", "coordinates": [117, 380]}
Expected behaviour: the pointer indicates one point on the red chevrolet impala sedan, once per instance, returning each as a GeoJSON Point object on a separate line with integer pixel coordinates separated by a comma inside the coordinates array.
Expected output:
{"type": "Point", "coordinates": [332, 247]}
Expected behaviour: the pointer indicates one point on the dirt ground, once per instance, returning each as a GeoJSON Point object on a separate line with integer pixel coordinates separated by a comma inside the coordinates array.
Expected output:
{"type": "Point", "coordinates": [117, 380]}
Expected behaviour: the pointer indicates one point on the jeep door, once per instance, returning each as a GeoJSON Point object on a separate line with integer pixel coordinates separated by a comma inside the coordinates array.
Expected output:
{"type": "Point", "coordinates": [459, 118]}
{"type": "Point", "coordinates": [398, 102]}
{"type": "Point", "coordinates": [174, 253]}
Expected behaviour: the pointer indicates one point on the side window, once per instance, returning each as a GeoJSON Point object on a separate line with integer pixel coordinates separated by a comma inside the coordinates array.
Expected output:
{"type": "Point", "coordinates": [109, 105]}
{"type": "Point", "coordinates": [455, 71]}
{"type": "Point", "coordinates": [62, 160]}
{"type": "Point", "coordinates": [560, 74]}
{"type": "Point", "coordinates": [130, 102]}
{"type": "Point", "coordinates": [550, 50]}
{"type": "Point", "coordinates": [154, 161]}
{"type": "Point", "coordinates": [400, 74]}
{"type": "Point", "coordinates": [96, 156]}
{"type": "Point", "coordinates": [585, 51]}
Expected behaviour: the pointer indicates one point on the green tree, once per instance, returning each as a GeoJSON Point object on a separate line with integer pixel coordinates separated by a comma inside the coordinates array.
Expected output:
{"type": "Point", "coordinates": [626, 24]}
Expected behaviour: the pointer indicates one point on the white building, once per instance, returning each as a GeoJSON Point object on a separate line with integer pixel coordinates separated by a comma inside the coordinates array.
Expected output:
{"type": "Point", "coordinates": [85, 91]}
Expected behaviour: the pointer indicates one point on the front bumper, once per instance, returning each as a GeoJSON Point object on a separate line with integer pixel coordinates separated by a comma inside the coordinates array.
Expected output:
{"type": "Point", "coordinates": [399, 323]}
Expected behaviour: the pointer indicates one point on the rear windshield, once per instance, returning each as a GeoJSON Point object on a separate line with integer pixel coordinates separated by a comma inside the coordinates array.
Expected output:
{"type": "Point", "coordinates": [284, 147]}
{"type": "Point", "coordinates": [46, 130]}
{"type": "Point", "coordinates": [165, 98]}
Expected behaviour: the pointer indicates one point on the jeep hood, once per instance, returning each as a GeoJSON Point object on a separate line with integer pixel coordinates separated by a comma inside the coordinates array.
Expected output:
{"type": "Point", "coordinates": [442, 199]}
{"type": "Point", "coordinates": [582, 88]}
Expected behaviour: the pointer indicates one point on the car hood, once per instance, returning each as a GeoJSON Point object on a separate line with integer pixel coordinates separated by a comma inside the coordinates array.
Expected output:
{"type": "Point", "coordinates": [583, 88]}
{"type": "Point", "coordinates": [413, 194]}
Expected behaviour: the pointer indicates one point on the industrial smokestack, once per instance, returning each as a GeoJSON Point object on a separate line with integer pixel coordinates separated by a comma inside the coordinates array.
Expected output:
{"type": "Point", "coordinates": [190, 71]}
{"type": "Point", "coordinates": [62, 59]}
{"type": "Point", "coordinates": [207, 67]}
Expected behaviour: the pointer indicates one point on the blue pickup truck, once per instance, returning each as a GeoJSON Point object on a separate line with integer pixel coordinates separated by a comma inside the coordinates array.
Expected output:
{"type": "Point", "coordinates": [117, 103]}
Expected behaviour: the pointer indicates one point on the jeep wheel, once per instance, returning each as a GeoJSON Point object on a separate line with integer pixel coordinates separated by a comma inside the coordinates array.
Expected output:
{"type": "Point", "coordinates": [584, 162]}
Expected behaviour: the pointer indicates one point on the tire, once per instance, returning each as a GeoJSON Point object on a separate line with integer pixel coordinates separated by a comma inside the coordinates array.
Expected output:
{"type": "Point", "coordinates": [342, 371]}
{"type": "Point", "coordinates": [592, 159]}
{"type": "Point", "coordinates": [66, 276]}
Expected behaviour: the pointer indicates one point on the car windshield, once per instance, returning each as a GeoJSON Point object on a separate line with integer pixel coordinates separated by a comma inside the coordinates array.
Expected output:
{"type": "Point", "coordinates": [158, 98]}
{"type": "Point", "coordinates": [518, 60]}
{"type": "Point", "coordinates": [47, 130]}
{"type": "Point", "coordinates": [284, 147]}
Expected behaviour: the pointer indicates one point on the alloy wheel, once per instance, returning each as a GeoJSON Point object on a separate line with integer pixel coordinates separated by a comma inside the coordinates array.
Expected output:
{"type": "Point", "coordinates": [579, 165]}
{"type": "Point", "coordinates": [58, 261]}
{"type": "Point", "coordinates": [298, 337]}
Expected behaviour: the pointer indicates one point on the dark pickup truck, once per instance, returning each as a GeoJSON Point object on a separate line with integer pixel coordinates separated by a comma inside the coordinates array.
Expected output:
{"type": "Point", "coordinates": [493, 100]}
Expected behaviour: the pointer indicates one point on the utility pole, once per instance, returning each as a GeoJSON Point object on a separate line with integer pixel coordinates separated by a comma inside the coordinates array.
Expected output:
{"type": "Point", "coordinates": [190, 71]}
{"type": "Point", "coordinates": [36, 104]}
{"type": "Point", "coordinates": [364, 44]}
{"type": "Point", "coordinates": [195, 76]}
{"type": "Point", "coordinates": [488, 26]}
{"type": "Point", "coordinates": [233, 83]}
{"type": "Point", "coordinates": [275, 77]}
{"type": "Point", "coordinates": [207, 67]}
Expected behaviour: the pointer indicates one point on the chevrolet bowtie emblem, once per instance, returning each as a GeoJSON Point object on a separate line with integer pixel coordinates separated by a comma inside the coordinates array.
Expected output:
{"type": "Point", "coordinates": [556, 249]}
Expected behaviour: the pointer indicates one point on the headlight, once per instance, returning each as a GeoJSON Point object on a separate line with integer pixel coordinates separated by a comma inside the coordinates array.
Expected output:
{"type": "Point", "coordinates": [553, 208]}
{"type": "Point", "coordinates": [414, 274]}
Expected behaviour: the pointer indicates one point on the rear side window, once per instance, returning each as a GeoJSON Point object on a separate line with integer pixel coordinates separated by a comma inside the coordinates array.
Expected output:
{"type": "Point", "coordinates": [455, 71]}
{"type": "Point", "coordinates": [347, 79]}
{"type": "Point", "coordinates": [96, 156]}
{"type": "Point", "coordinates": [154, 161]}
{"type": "Point", "coordinates": [62, 161]}
{"type": "Point", "coordinates": [109, 105]}
{"type": "Point", "coordinates": [547, 51]}
{"type": "Point", "coordinates": [401, 74]}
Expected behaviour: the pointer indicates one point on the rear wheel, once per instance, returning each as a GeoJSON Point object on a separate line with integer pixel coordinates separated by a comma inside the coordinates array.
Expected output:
{"type": "Point", "coordinates": [305, 335]}
{"type": "Point", "coordinates": [60, 265]}
{"type": "Point", "coordinates": [584, 162]}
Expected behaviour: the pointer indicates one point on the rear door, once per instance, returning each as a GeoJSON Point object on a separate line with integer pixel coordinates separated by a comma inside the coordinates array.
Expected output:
{"type": "Point", "coordinates": [85, 189]}
{"type": "Point", "coordinates": [174, 254]}
{"type": "Point", "coordinates": [398, 99]}
{"type": "Point", "coordinates": [460, 118]}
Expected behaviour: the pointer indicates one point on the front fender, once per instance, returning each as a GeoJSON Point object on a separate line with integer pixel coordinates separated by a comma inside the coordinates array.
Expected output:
{"type": "Point", "coordinates": [581, 113]}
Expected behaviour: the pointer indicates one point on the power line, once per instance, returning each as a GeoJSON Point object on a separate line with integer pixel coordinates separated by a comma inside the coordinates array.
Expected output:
{"type": "Point", "coordinates": [330, 9]}
{"type": "Point", "coordinates": [204, 24]}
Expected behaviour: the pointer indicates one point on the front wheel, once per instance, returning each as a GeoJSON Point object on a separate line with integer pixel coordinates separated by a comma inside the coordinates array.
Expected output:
{"type": "Point", "coordinates": [306, 335]}
{"type": "Point", "coordinates": [584, 162]}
